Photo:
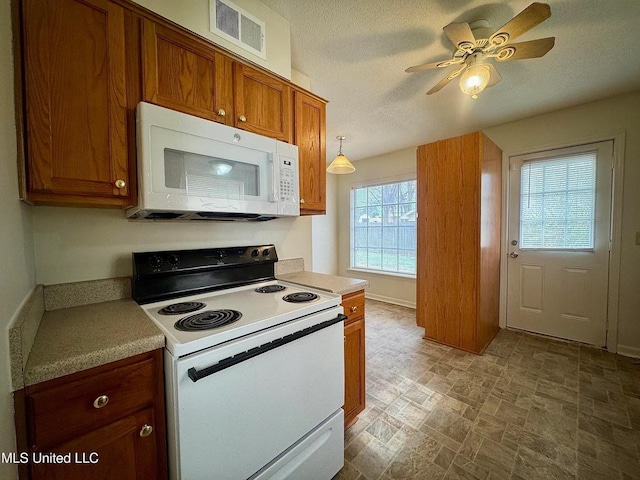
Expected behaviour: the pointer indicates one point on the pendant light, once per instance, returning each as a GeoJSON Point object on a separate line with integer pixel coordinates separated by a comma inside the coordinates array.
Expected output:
{"type": "Point", "coordinates": [341, 164]}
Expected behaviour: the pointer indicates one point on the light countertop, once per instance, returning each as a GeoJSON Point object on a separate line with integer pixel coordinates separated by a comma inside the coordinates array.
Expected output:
{"type": "Point", "coordinates": [321, 281]}
{"type": "Point", "coordinates": [77, 338]}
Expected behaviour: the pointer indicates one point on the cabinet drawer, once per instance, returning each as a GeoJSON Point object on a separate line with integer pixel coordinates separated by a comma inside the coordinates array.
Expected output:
{"type": "Point", "coordinates": [78, 406]}
{"type": "Point", "coordinates": [353, 304]}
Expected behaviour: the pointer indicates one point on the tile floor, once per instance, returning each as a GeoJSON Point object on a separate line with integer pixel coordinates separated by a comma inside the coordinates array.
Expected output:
{"type": "Point", "coordinates": [529, 408]}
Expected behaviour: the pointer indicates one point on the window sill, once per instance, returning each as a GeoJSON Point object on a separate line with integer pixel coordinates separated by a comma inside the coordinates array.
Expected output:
{"type": "Point", "coordinates": [408, 276]}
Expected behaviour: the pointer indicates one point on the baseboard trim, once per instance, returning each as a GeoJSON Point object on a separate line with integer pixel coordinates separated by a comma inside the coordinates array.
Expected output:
{"type": "Point", "coordinates": [629, 351]}
{"type": "Point", "coordinates": [394, 301]}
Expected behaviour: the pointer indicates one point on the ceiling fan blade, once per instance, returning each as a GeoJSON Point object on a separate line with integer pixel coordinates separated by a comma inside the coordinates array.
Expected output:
{"type": "Point", "coordinates": [461, 36]}
{"type": "Point", "coordinates": [522, 50]}
{"type": "Point", "coordinates": [446, 80]}
{"type": "Point", "coordinates": [531, 16]}
{"type": "Point", "coordinates": [495, 76]}
{"type": "Point", "coordinates": [428, 66]}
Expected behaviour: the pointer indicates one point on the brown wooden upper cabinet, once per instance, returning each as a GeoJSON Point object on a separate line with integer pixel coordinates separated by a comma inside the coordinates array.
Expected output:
{"type": "Point", "coordinates": [75, 99]}
{"type": "Point", "coordinates": [459, 202]}
{"type": "Point", "coordinates": [262, 103]}
{"type": "Point", "coordinates": [310, 137]}
{"type": "Point", "coordinates": [85, 66]}
{"type": "Point", "coordinates": [184, 74]}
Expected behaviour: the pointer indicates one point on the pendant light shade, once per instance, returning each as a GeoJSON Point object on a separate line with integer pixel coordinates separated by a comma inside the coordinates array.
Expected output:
{"type": "Point", "coordinates": [341, 164]}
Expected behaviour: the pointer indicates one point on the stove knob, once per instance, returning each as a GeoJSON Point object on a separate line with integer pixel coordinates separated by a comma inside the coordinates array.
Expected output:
{"type": "Point", "coordinates": [173, 259]}
{"type": "Point", "coordinates": [255, 252]}
{"type": "Point", "coordinates": [155, 261]}
{"type": "Point", "coordinates": [266, 252]}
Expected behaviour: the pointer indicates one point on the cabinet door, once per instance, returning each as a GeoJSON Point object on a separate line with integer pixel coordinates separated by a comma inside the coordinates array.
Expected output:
{"type": "Point", "coordinates": [75, 96]}
{"type": "Point", "coordinates": [262, 103]}
{"type": "Point", "coordinates": [310, 137]}
{"type": "Point", "coordinates": [185, 75]}
{"type": "Point", "coordinates": [354, 373]}
{"type": "Point", "coordinates": [122, 449]}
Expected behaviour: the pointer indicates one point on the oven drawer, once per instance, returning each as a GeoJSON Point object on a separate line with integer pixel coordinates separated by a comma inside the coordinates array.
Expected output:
{"type": "Point", "coordinates": [353, 304]}
{"type": "Point", "coordinates": [65, 410]}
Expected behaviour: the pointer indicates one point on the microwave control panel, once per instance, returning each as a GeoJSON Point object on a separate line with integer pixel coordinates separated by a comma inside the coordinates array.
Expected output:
{"type": "Point", "coordinates": [288, 191]}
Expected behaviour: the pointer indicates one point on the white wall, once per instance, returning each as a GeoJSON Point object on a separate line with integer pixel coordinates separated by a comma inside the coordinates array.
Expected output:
{"type": "Point", "coordinates": [324, 233]}
{"type": "Point", "coordinates": [194, 15]}
{"type": "Point", "coordinates": [389, 167]}
{"type": "Point", "coordinates": [594, 121]}
{"type": "Point", "coordinates": [76, 244]}
{"type": "Point", "coordinates": [16, 238]}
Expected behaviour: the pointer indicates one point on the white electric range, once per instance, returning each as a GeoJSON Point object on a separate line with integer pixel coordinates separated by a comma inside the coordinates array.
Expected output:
{"type": "Point", "coordinates": [254, 367]}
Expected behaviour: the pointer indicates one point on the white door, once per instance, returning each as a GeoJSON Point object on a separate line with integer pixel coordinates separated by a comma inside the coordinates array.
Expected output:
{"type": "Point", "coordinates": [559, 241]}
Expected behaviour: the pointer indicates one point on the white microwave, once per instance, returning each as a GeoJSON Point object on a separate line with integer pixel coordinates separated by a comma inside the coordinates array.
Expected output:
{"type": "Point", "coordinates": [195, 169]}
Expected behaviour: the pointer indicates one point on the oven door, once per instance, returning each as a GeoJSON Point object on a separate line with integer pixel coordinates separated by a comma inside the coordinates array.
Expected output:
{"type": "Point", "coordinates": [276, 388]}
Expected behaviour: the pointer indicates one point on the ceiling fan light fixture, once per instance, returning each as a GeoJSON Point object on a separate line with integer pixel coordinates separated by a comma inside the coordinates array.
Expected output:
{"type": "Point", "coordinates": [341, 164]}
{"type": "Point", "coordinates": [476, 77]}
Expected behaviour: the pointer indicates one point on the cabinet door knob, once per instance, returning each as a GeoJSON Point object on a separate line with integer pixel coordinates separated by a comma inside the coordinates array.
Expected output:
{"type": "Point", "coordinates": [101, 401]}
{"type": "Point", "coordinates": [242, 118]}
{"type": "Point", "coordinates": [121, 183]}
{"type": "Point", "coordinates": [353, 309]}
{"type": "Point", "coordinates": [302, 200]}
{"type": "Point", "coordinates": [221, 113]}
{"type": "Point", "coordinates": [146, 430]}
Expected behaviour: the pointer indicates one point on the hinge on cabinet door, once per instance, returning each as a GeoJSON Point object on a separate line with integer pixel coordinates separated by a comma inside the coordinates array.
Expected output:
{"type": "Point", "coordinates": [613, 161]}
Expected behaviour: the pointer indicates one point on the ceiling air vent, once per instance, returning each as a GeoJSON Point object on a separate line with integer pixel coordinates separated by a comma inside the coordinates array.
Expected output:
{"type": "Point", "coordinates": [237, 26]}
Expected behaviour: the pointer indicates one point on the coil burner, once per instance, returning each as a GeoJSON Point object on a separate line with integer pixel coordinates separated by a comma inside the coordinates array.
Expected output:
{"type": "Point", "coordinates": [270, 289]}
{"type": "Point", "coordinates": [300, 297]}
{"type": "Point", "coordinates": [208, 320]}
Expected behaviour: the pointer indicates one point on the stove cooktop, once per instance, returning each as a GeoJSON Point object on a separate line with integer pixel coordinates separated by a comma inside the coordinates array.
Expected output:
{"type": "Point", "coordinates": [257, 306]}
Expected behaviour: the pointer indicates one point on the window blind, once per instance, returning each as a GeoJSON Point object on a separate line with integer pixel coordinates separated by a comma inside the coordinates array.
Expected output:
{"type": "Point", "coordinates": [557, 204]}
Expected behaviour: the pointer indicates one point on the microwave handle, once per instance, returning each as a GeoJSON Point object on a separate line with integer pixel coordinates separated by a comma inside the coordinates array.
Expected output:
{"type": "Point", "coordinates": [275, 180]}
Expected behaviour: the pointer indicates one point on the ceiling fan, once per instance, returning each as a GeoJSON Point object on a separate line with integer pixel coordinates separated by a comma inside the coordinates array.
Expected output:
{"type": "Point", "coordinates": [475, 46]}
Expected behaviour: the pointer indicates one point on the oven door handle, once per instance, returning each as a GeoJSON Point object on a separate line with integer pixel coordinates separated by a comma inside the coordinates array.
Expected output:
{"type": "Point", "coordinates": [196, 375]}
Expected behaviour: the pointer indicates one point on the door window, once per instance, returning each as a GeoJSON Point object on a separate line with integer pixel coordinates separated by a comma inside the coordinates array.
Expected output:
{"type": "Point", "coordinates": [557, 204]}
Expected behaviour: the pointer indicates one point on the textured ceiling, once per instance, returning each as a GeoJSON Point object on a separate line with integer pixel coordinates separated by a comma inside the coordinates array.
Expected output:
{"type": "Point", "coordinates": [356, 51]}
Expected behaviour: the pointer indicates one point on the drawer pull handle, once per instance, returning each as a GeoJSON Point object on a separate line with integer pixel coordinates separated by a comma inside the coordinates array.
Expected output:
{"type": "Point", "coordinates": [353, 309]}
{"type": "Point", "coordinates": [221, 113]}
{"type": "Point", "coordinates": [101, 401]}
{"type": "Point", "coordinates": [242, 118]}
{"type": "Point", "coordinates": [121, 184]}
{"type": "Point", "coordinates": [146, 430]}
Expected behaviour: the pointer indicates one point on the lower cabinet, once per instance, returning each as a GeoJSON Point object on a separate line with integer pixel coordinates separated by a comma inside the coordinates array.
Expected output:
{"type": "Point", "coordinates": [354, 357]}
{"type": "Point", "coordinates": [103, 423]}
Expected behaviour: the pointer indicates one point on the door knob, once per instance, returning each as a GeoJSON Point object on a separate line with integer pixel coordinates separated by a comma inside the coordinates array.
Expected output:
{"type": "Point", "coordinates": [242, 118]}
{"type": "Point", "coordinates": [513, 255]}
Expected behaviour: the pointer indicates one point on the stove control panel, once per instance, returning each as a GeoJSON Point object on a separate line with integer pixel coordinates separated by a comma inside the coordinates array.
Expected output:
{"type": "Point", "coordinates": [149, 263]}
{"type": "Point", "coordinates": [177, 273]}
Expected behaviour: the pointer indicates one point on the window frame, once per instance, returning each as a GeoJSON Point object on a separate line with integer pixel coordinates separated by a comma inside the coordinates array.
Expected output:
{"type": "Point", "coordinates": [374, 183]}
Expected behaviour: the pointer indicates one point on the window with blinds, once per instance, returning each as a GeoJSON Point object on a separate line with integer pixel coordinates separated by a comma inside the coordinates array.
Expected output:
{"type": "Point", "coordinates": [557, 204]}
{"type": "Point", "coordinates": [383, 227]}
